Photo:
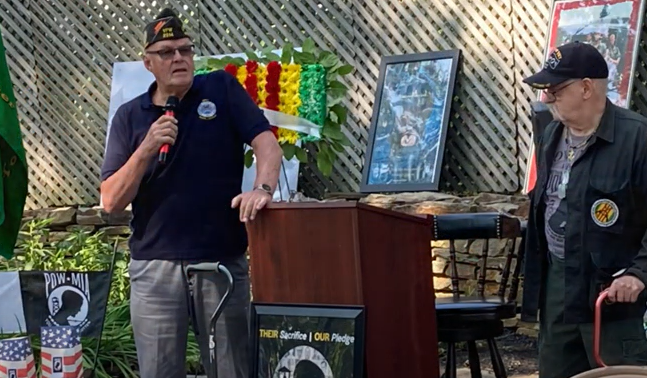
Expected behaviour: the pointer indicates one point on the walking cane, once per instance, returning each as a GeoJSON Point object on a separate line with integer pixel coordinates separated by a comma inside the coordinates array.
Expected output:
{"type": "Point", "coordinates": [621, 371]}
{"type": "Point", "coordinates": [211, 267]}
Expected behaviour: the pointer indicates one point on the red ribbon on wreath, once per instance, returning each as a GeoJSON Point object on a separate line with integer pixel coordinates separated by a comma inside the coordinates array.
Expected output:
{"type": "Point", "coordinates": [273, 88]}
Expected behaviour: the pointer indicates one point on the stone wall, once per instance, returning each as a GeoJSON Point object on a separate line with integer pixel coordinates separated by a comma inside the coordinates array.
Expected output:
{"type": "Point", "coordinates": [68, 219]}
{"type": "Point", "coordinates": [65, 220]}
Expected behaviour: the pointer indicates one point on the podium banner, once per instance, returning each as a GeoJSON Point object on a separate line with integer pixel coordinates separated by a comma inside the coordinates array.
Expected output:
{"type": "Point", "coordinates": [308, 341]}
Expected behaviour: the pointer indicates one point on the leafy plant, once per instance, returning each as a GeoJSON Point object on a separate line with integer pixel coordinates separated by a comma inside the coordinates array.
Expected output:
{"type": "Point", "coordinates": [333, 140]}
{"type": "Point", "coordinates": [81, 250]}
{"type": "Point", "coordinates": [84, 250]}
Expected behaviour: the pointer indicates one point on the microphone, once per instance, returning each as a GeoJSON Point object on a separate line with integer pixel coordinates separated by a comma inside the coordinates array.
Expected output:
{"type": "Point", "coordinates": [171, 103]}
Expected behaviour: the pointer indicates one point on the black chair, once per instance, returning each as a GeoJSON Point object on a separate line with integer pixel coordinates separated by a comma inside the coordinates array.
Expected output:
{"type": "Point", "coordinates": [480, 317]}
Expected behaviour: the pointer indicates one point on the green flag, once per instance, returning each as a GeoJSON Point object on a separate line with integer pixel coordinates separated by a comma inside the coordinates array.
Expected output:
{"type": "Point", "coordinates": [13, 178]}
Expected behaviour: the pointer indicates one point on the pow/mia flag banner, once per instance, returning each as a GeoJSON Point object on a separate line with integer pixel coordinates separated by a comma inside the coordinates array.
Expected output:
{"type": "Point", "coordinates": [53, 299]}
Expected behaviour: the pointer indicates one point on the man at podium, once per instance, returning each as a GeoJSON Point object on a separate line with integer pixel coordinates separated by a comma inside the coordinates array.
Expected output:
{"type": "Point", "coordinates": [189, 207]}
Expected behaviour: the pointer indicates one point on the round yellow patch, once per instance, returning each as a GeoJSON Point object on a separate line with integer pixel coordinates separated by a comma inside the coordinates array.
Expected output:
{"type": "Point", "coordinates": [604, 212]}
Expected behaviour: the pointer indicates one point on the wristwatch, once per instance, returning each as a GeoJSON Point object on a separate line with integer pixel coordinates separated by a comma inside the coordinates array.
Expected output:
{"type": "Point", "coordinates": [264, 187]}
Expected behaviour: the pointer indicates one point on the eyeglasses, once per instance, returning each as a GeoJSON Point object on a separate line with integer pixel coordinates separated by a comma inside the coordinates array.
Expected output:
{"type": "Point", "coordinates": [552, 95]}
{"type": "Point", "coordinates": [185, 51]}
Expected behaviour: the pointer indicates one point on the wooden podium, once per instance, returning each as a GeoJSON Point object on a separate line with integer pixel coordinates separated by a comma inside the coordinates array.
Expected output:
{"type": "Point", "coordinates": [349, 253]}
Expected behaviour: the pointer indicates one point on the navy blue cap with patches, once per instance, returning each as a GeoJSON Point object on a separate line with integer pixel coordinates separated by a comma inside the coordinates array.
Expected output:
{"type": "Point", "coordinates": [574, 60]}
{"type": "Point", "coordinates": [166, 26]}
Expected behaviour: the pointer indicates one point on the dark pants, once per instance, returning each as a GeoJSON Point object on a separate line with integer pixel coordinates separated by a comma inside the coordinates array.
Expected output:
{"type": "Point", "coordinates": [567, 349]}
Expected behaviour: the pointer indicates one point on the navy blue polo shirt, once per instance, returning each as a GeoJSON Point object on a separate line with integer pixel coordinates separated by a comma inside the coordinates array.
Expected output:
{"type": "Point", "coordinates": [182, 210]}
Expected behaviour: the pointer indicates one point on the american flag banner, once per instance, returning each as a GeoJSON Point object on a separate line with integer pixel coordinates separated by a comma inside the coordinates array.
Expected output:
{"type": "Point", "coordinates": [17, 358]}
{"type": "Point", "coordinates": [61, 352]}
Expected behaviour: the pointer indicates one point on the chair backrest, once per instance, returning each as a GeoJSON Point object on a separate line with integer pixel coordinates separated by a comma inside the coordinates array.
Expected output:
{"type": "Point", "coordinates": [485, 226]}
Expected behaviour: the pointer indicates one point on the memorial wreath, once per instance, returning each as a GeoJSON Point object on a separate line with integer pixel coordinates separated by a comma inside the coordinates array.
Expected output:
{"type": "Point", "coordinates": [300, 94]}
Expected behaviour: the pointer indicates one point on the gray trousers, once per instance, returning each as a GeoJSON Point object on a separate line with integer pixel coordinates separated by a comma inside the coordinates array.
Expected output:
{"type": "Point", "coordinates": [160, 317]}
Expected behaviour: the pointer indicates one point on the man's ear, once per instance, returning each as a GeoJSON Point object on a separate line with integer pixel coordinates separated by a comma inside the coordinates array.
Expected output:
{"type": "Point", "coordinates": [147, 63]}
{"type": "Point", "coordinates": [588, 88]}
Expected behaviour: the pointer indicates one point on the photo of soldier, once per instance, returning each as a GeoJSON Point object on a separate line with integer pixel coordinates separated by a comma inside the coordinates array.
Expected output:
{"type": "Point", "coordinates": [409, 122]}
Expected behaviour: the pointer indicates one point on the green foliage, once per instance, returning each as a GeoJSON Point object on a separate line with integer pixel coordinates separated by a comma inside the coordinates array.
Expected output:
{"type": "Point", "coordinates": [83, 250]}
{"type": "Point", "coordinates": [333, 140]}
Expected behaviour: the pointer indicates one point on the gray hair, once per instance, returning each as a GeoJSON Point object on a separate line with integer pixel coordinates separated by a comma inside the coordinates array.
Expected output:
{"type": "Point", "coordinates": [601, 86]}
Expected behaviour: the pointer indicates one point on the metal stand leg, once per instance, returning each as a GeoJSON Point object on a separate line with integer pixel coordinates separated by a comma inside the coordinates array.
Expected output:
{"type": "Point", "coordinates": [211, 267]}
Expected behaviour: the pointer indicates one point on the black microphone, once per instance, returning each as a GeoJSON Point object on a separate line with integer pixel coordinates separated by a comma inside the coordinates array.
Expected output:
{"type": "Point", "coordinates": [171, 104]}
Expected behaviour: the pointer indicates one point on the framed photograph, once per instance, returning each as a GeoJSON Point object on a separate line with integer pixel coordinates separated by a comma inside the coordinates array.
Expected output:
{"type": "Point", "coordinates": [613, 27]}
{"type": "Point", "coordinates": [406, 142]}
{"type": "Point", "coordinates": [291, 341]}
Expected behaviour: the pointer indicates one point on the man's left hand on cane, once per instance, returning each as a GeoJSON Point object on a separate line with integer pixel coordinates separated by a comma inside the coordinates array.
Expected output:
{"type": "Point", "coordinates": [250, 203]}
{"type": "Point", "coordinates": [625, 289]}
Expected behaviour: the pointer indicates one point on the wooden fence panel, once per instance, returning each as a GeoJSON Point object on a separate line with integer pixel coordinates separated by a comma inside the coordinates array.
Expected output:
{"type": "Point", "coordinates": [61, 54]}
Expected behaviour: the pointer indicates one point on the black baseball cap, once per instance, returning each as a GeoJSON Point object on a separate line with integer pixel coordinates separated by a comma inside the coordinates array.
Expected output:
{"type": "Point", "coordinates": [574, 60]}
{"type": "Point", "coordinates": [166, 25]}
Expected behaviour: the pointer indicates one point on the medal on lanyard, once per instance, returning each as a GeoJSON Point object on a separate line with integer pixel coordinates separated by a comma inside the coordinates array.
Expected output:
{"type": "Point", "coordinates": [561, 188]}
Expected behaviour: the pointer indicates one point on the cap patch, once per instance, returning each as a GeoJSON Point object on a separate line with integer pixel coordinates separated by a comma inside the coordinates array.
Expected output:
{"type": "Point", "coordinates": [159, 26]}
{"type": "Point", "coordinates": [553, 59]}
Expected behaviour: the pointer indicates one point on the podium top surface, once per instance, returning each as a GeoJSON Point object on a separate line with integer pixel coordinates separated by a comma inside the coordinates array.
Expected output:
{"type": "Point", "coordinates": [420, 218]}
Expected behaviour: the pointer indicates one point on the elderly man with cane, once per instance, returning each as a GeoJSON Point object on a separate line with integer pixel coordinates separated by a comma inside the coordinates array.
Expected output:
{"type": "Point", "coordinates": [177, 153]}
{"type": "Point", "coordinates": [588, 219]}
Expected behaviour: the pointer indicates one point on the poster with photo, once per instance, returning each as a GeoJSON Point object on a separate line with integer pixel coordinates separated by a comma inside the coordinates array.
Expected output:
{"type": "Point", "coordinates": [406, 143]}
{"type": "Point", "coordinates": [613, 27]}
{"type": "Point", "coordinates": [307, 341]}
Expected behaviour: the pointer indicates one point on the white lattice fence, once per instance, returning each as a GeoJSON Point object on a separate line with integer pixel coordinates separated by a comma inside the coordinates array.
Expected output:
{"type": "Point", "coordinates": [530, 18]}
{"type": "Point", "coordinates": [61, 54]}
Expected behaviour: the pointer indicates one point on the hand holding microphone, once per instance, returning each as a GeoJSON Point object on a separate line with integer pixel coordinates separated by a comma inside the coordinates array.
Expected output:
{"type": "Point", "coordinates": [162, 133]}
{"type": "Point", "coordinates": [171, 103]}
